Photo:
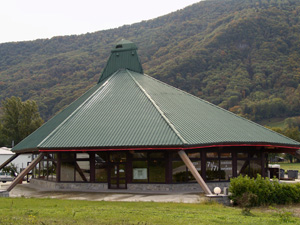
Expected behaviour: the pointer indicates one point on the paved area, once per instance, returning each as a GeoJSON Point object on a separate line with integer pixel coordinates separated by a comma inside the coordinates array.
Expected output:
{"type": "Point", "coordinates": [26, 190]}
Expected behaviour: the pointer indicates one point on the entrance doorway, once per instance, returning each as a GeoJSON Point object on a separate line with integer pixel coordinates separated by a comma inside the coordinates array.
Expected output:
{"type": "Point", "coordinates": [118, 176]}
{"type": "Point", "coordinates": [117, 171]}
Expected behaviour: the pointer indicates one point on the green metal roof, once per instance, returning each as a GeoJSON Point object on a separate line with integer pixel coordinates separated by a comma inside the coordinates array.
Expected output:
{"type": "Point", "coordinates": [123, 56]}
{"type": "Point", "coordinates": [129, 109]}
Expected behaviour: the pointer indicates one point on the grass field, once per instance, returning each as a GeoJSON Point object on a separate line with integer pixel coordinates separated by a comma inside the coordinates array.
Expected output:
{"type": "Point", "coordinates": [274, 122]}
{"type": "Point", "coordinates": [289, 166]}
{"type": "Point", "coordinates": [55, 211]}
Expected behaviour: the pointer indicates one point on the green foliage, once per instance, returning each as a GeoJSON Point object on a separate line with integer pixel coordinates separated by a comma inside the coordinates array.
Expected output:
{"type": "Point", "coordinates": [283, 215]}
{"type": "Point", "coordinates": [247, 201]}
{"type": "Point", "coordinates": [263, 191]}
{"type": "Point", "coordinates": [3, 138]}
{"type": "Point", "coordinates": [240, 54]}
{"type": "Point", "coordinates": [291, 132]}
{"type": "Point", "coordinates": [19, 118]}
{"type": "Point", "coordinates": [11, 169]}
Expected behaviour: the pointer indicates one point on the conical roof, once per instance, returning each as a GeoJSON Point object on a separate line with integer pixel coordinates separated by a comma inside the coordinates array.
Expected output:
{"type": "Point", "coordinates": [130, 110]}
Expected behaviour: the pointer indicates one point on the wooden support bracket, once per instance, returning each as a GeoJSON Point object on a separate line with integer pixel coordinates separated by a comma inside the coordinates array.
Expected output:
{"type": "Point", "coordinates": [77, 167]}
{"type": "Point", "coordinates": [26, 171]}
{"type": "Point", "coordinates": [194, 172]}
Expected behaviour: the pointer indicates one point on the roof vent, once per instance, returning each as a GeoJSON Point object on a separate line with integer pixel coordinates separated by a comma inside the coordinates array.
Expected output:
{"type": "Point", "coordinates": [123, 56]}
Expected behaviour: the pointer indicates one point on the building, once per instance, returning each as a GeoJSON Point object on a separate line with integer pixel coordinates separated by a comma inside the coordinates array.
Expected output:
{"type": "Point", "coordinates": [131, 131]}
{"type": "Point", "coordinates": [20, 162]}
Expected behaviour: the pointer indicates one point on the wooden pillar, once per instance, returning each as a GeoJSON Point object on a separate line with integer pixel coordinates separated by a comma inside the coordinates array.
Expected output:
{"type": "Point", "coordinates": [194, 171]}
{"type": "Point", "coordinates": [8, 161]}
{"type": "Point", "coordinates": [263, 169]}
{"type": "Point", "coordinates": [168, 167]}
{"type": "Point", "coordinates": [26, 171]}
{"type": "Point", "coordinates": [58, 167]}
{"type": "Point", "coordinates": [129, 169]}
{"type": "Point", "coordinates": [92, 167]}
{"type": "Point", "coordinates": [234, 164]}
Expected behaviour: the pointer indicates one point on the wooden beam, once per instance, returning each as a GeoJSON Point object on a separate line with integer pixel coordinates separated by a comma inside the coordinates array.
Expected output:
{"type": "Point", "coordinates": [194, 171]}
{"type": "Point", "coordinates": [8, 161]}
{"type": "Point", "coordinates": [26, 171]}
{"type": "Point", "coordinates": [77, 167]}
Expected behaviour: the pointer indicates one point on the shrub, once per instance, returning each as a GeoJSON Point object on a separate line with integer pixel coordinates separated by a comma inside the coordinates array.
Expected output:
{"type": "Point", "coordinates": [267, 192]}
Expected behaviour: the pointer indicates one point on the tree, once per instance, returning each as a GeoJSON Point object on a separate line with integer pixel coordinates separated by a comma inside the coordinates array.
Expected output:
{"type": "Point", "coordinates": [19, 118]}
{"type": "Point", "coordinates": [3, 139]}
{"type": "Point", "coordinates": [11, 169]}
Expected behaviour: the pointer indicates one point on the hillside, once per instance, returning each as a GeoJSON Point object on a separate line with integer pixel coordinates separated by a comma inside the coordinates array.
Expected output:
{"type": "Point", "coordinates": [240, 54]}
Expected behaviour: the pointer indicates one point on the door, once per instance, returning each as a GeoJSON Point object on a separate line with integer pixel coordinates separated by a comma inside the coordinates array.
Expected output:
{"type": "Point", "coordinates": [117, 173]}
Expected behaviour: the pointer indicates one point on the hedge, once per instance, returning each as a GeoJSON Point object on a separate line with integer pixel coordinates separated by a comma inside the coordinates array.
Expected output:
{"type": "Point", "coordinates": [263, 191]}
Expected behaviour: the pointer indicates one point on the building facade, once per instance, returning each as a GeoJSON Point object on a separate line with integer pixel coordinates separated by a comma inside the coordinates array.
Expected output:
{"type": "Point", "coordinates": [131, 131]}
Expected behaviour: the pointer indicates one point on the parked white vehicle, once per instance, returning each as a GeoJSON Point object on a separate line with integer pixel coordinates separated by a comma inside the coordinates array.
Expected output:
{"type": "Point", "coordinates": [5, 177]}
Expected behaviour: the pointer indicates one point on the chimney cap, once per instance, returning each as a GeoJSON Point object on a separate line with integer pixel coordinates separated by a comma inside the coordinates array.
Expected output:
{"type": "Point", "coordinates": [124, 45]}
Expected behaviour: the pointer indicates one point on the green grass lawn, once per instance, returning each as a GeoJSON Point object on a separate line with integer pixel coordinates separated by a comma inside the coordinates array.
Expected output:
{"type": "Point", "coordinates": [56, 211]}
{"type": "Point", "coordinates": [274, 122]}
{"type": "Point", "coordinates": [289, 166]}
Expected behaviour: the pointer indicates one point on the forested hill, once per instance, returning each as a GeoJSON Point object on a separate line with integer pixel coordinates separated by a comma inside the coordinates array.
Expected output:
{"type": "Point", "coordinates": [240, 54]}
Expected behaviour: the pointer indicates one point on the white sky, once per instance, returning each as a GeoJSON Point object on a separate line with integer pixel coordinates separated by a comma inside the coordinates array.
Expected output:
{"type": "Point", "coordinates": [33, 19]}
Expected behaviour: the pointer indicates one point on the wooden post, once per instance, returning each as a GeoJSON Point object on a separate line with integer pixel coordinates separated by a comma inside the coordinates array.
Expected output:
{"type": "Point", "coordinates": [25, 171]}
{"type": "Point", "coordinates": [77, 167]}
{"type": "Point", "coordinates": [194, 172]}
{"type": "Point", "coordinates": [8, 161]}
{"type": "Point", "coordinates": [92, 167]}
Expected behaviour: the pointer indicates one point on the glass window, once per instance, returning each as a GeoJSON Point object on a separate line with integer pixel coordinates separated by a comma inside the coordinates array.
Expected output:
{"type": "Point", "coordinates": [82, 156]}
{"type": "Point", "coordinates": [193, 155]}
{"type": "Point", "coordinates": [67, 171]}
{"type": "Point", "coordinates": [140, 155]}
{"type": "Point", "coordinates": [243, 167]}
{"type": "Point", "coordinates": [83, 171]}
{"type": "Point", "coordinates": [225, 155]}
{"type": "Point", "coordinates": [175, 155]}
{"type": "Point", "coordinates": [212, 170]}
{"type": "Point", "coordinates": [51, 171]}
{"type": "Point", "coordinates": [67, 156]}
{"type": "Point", "coordinates": [101, 167]}
{"type": "Point", "coordinates": [254, 155]}
{"type": "Point", "coordinates": [225, 169]}
{"type": "Point", "coordinates": [157, 172]}
{"type": "Point", "coordinates": [242, 155]}
{"type": "Point", "coordinates": [118, 157]}
{"type": "Point", "coordinates": [140, 171]}
{"type": "Point", "coordinates": [157, 155]}
{"type": "Point", "coordinates": [255, 168]}
{"type": "Point", "coordinates": [212, 155]}
{"type": "Point", "coordinates": [197, 165]}
{"type": "Point", "coordinates": [178, 172]}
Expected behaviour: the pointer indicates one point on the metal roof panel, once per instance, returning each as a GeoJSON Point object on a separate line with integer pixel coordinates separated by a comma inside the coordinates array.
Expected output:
{"type": "Point", "coordinates": [118, 114]}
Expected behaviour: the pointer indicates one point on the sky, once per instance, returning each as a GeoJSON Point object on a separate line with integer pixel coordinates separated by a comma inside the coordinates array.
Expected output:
{"type": "Point", "coordinates": [22, 20]}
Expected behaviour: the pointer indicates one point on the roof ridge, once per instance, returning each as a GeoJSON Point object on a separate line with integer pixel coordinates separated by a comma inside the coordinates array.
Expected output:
{"type": "Point", "coordinates": [158, 109]}
{"type": "Point", "coordinates": [75, 111]}
{"type": "Point", "coordinates": [227, 111]}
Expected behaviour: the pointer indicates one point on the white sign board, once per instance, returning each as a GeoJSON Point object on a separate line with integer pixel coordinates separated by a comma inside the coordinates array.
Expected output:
{"type": "Point", "coordinates": [140, 173]}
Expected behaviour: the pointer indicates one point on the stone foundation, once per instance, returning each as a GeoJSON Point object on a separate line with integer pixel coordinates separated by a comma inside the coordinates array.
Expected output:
{"type": "Point", "coordinates": [222, 199]}
{"type": "Point", "coordinates": [44, 184]}
{"type": "Point", "coordinates": [4, 193]}
{"type": "Point", "coordinates": [187, 187]}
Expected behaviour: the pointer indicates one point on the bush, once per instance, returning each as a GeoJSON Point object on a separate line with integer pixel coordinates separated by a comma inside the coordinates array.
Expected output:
{"type": "Point", "coordinates": [267, 192]}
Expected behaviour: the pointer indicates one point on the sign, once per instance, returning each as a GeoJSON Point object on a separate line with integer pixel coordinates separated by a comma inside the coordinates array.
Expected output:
{"type": "Point", "coordinates": [140, 173]}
